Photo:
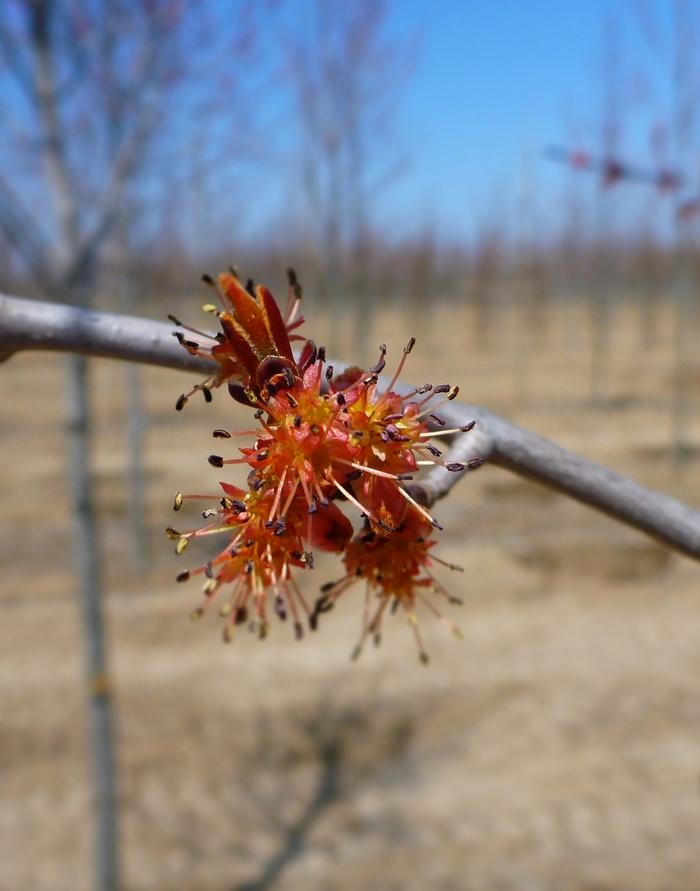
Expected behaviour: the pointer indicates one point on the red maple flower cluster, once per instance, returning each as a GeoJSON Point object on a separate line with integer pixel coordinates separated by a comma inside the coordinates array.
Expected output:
{"type": "Point", "coordinates": [322, 438]}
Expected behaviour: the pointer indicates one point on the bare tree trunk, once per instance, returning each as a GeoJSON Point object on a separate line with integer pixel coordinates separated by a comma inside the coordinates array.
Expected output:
{"type": "Point", "coordinates": [137, 480]}
{"type": "Point", "coordinates": [97, 674]}
{"type": "Point", "coordinates": [136, 423]}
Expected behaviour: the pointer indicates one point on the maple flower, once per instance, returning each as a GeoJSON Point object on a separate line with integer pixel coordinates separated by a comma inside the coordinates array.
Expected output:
{"type": "Point", "coordinates": [231, 347]}
{"type": "Point", "coordinates": [338, 436]}
{"type": "Point", "coordinates": [321, 438]}
{"type": "Point", "coordinates": [263, 549]}
{"type": "Point", "coordinates": [397, 573]}
{"type": "Point", "coordinates": [393, 433]}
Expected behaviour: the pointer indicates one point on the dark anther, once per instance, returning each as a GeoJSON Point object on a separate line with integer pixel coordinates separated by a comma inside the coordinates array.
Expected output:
{"type": "Point", "coordinates": [467, 427]}
{"type": "Point", "coordinates": [353, 475]}
{"type": "Point", "coordinates": [180, 404]}
{"type": "Point", "coordinates": [324, 604]}
{"type": "Point", "coordinates": [426, 388]}
{"type": "Point", "coordinates": [404, 476]}
{"type": "Point", "coordinates": [241, 615]}
{"type": "Point", "coordinates": [340, 399]}
{"type": "Point", "coordinates": [392, 431]}
{"type": "Point", "coordinates": [453, 394]}
{"type": "Point", "coordinates": [329, 373]}
{"type": "Point", "coordinates": [216, 460]}
{"type": "Point", "coordinates": [208, 280]}
{"type": "Point", "coordinates": [295, 284]}
{"type": "Point", "coordinates": [182, 576]}
{"type": "Point", "coordinates": [473, 463]}
{"type": "Point", "coordinates": [434, 451]}
{"type": "Point", "coordinates": [409, 346]}
{"type": "Point", "coordinates": [321, 354]}
{"type": "Point", "coordinates": [379, 367]}
{"type": "Point", "coordinates": [250, 287]}
{"type": "Point", "coordinates": [220, 337]}
{"type": "Point", "coordinates": [174, 319]}
{"type": "Point", "coordinates": [442, 388]}
{"type": "Point", "coordinates": [297, 421]}
{"type": "Point", "coordinates": [438, 421]}
{"type": "Point", "coordinates": [261, 456]}
{"type": "Point", "coordinates": [190, 344]}
{"type": "Point", "coordinates": [239, 507]}
{"type": "Point", "coordinates": [437, 525]}
{"type": "Point", "coordinates": [313, 507]}
{"type": "Point", "coordinates": [180, 337]}
{"type": "Point", "coordinates": [298, 630]}
{"type": "Point", "coordinates": [249, 567]}
{"type": "Point", "coordinates": [208, 571]}
{"type": "Point", "coordinates": [309, 559]}
{"type": "Point", "coordinates": [455, 466]}
{"type": "Point", "coordinates": [275, 371]}
{"type": "Point", "coordinates": [221, 434]}
{"type": "Point", "coordinates": [206, 392]}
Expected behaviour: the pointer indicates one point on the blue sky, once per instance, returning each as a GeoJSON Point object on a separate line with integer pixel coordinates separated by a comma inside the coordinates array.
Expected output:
{"type": "Point", "coordinates": [496, 82]}
{"type": "Point", "coordinates": [493, 82]}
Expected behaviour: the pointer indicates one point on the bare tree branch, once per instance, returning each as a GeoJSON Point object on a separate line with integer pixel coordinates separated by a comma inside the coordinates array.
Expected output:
{"type": "Point", "coordinates": [34, 325]}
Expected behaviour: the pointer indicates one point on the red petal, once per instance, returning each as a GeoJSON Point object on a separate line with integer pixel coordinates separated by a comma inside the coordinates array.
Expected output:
{"type": "Point", "coordinates": [233, 491]}
{"type": "Point", "coordinates": [330, 529]}
{"type": "Point", "coordinates": [272, 317]}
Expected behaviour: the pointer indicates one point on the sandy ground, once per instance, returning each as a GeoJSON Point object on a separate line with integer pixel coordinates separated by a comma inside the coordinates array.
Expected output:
{"type": "Point", "coordinates": [556, 747]}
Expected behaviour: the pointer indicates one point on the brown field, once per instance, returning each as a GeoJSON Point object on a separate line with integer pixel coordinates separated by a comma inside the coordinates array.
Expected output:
{"type": "Point", "coordinates": [556, 747]}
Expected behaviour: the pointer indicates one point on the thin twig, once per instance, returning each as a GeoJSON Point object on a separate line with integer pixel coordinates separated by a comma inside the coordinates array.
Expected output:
{"type": "Point", "coordinates": [34, 325]}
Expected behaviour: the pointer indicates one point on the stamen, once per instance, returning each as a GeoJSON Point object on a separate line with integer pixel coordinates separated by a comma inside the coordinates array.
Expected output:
{"type": "Point", "coordinates": [278, 495]}
{"type": "Point", "coordinates": [351, 498]}
{"type": "Point", "coordinates": [464, 429]}
{"type": "Point", "coordinates": [419, 507]}
{"type": "Point", "coordinates": [196, 331]}
{"type": "Point", "coordinates": [365, 469]}
{"type": "Point", "coordinates": [406, 350]}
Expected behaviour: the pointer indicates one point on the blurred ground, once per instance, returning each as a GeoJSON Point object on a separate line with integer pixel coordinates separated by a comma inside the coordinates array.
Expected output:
{"type": "Point", "coordinates": [557, 746]}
